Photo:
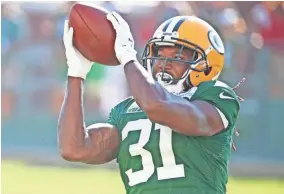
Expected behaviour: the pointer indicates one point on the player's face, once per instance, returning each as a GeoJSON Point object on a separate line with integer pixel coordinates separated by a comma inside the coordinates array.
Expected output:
{"type": "Point", "coordinates": [174, 68]}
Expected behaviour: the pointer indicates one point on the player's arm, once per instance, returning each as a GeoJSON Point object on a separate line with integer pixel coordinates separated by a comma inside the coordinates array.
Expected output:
{"type": "Point", "coordinates": [99, 144]}
{"type": "Point", "coordinates": [197, 118]}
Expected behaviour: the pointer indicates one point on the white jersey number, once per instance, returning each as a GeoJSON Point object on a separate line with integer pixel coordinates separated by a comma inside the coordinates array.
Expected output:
{"type": "Point", "coordinates": [169, 169]}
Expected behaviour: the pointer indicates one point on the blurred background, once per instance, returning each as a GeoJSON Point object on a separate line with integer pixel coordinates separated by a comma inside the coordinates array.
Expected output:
{"type": "Point", "coordinates": [34, 78]}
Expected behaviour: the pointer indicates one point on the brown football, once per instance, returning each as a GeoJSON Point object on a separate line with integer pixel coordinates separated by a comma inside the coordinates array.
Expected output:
{"type": "Point", "coordinates": [94, 35]}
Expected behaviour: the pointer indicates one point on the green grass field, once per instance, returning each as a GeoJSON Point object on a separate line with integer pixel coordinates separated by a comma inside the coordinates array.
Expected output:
{"type": "Point", "coordinates": [18, 178]}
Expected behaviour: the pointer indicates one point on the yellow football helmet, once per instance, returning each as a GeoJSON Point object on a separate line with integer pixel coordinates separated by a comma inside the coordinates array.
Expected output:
{"type": "Point", "coordinates": [187, 32]}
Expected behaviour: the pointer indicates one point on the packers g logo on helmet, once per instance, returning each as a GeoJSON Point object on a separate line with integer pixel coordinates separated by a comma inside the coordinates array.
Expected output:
{"type": "Point", "coordinates": [216, 42]}
{"type": "Point", "coordinates": [188, 32]}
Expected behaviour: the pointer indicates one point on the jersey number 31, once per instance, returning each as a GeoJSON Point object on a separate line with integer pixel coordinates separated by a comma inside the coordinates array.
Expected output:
{"type": "Point", "coordinates": [169, 169]}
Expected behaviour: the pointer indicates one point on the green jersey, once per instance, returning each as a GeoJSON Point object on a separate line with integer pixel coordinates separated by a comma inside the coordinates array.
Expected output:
{"type": "Point", "coordinates": [153, 159]}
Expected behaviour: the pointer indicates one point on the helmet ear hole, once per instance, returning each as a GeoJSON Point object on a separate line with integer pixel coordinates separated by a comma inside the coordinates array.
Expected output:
{"type": "Point", "coordinates": [207, 71]}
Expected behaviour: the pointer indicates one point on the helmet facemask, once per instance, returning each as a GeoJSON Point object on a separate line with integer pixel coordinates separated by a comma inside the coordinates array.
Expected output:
{"type": "Point", "coordinates": [175, 85]}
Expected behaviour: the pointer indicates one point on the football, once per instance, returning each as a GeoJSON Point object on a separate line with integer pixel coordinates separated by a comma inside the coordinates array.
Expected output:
{"type": "Point", "coordinates": [94, 35]}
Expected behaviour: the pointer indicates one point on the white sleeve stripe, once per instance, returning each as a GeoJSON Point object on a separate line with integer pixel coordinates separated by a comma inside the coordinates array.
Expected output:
{"type": "Point", "coordinates": [224, 119]}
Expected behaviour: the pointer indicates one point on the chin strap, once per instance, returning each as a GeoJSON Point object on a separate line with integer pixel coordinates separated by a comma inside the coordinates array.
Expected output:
{"type": "Point", "coordinates": [173, 86]}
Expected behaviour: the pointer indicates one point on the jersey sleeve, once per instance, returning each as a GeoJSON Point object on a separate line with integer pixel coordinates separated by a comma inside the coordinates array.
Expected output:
{"type": "Point", "coordinates": [114, 116]}
{"type": "Point", "coordinates": [116, 112]}
{"type": "Point", "coordinates": [224, 100]}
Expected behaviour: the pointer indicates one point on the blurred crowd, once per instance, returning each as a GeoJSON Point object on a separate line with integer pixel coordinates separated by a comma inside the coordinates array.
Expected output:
{"type": "Point", "coordinates": [34, 67]}
{"type": "Point", "coordinates": [33, 60]}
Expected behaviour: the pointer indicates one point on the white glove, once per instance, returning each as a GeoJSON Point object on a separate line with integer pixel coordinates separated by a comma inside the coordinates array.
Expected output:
{"type": "Point", "coordinates": [78, 65]}
{"type": "Point", "coordinates": [124, 43]}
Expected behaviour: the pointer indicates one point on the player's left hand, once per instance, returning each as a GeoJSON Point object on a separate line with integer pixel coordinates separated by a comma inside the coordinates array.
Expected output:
{"type": "Point", "coordinates": [124, 43]}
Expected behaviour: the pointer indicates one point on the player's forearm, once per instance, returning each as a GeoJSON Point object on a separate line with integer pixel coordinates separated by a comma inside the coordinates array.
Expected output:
{"type": "Point", "coordinates": [145, 91]}
{"type": "Point", "coordinates": [71, 135]}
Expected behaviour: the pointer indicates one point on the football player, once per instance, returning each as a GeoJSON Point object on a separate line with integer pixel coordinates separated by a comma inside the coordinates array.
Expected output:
{"type": "Point", "coordinates": [174, 135]}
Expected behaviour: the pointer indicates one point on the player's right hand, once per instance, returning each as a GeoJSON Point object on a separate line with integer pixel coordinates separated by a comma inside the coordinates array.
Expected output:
{"type": "Point", "coordinates": [78, 65]}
